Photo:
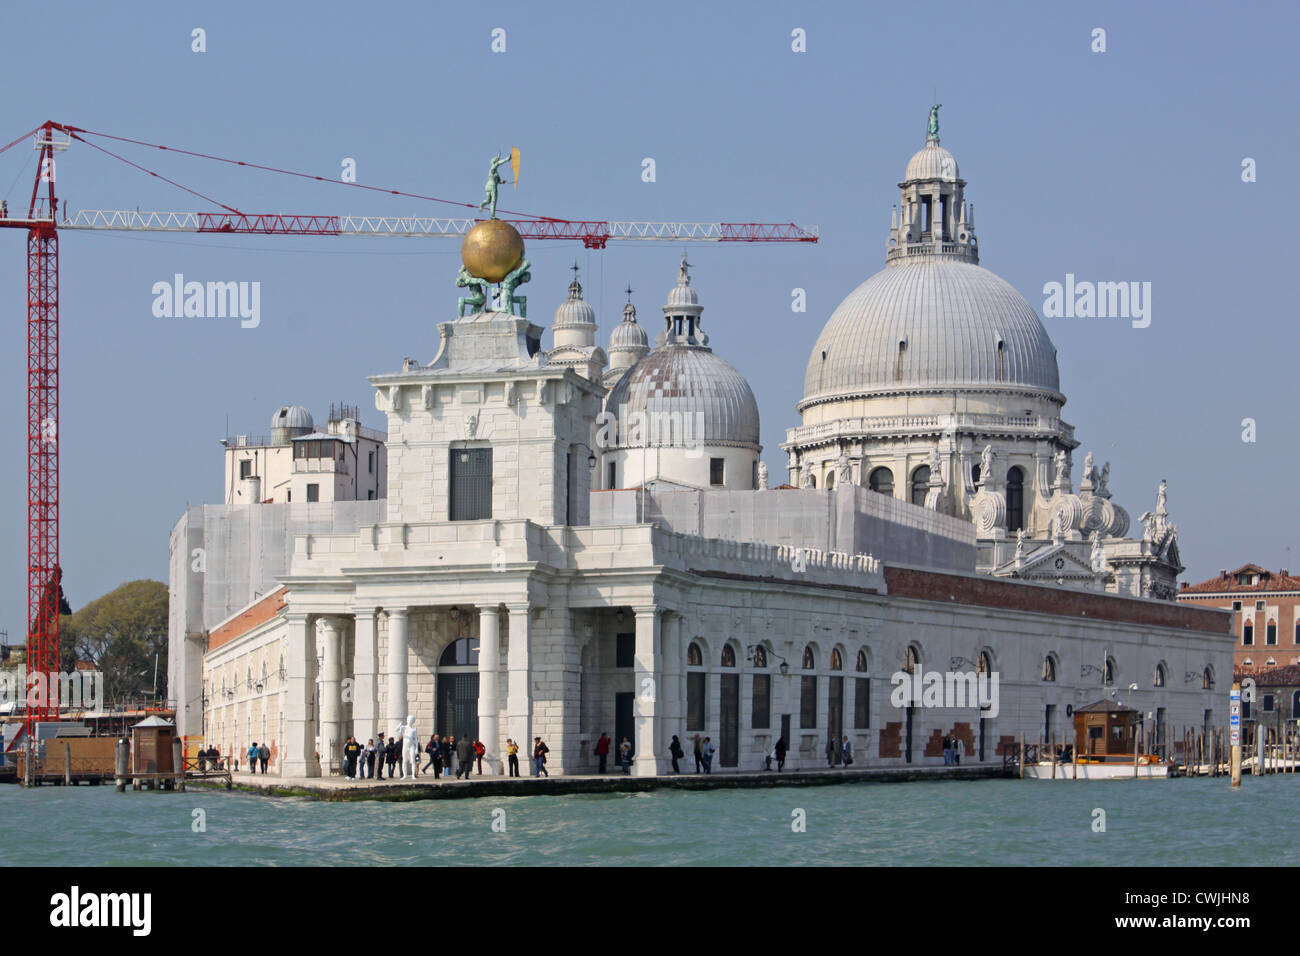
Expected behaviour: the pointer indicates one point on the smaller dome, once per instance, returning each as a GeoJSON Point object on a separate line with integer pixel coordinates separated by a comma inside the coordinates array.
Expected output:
{"type": "Point", "coordinates": [932, 162]}
{"type": "Point", "coordinates": [683, 298]}
{"type": "Point", "coordinates": [574, 310]}
{"type": "Point", "coordinates": [292, 416]}
{"type": "Point", "coordinates": [628, 334]}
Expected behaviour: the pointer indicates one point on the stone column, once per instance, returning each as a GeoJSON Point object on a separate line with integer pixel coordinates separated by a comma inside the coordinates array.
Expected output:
{"type": "Point", "coordinates": [519, 692]}
{"type": "Point", "coordinates": [649, 688]}
{"type": "Point", "coordinates": [671, 716]}
{"type": "Point", "coordinates": [489, 709]}
{"type": "Point", "coordinates": [330, 634]}
{"type": "Point", "coordinates": [397, 654]}
{"type": "Point", "coordinates": [364, 693]}
{"type": "Point", "coordinates": [299, 758]}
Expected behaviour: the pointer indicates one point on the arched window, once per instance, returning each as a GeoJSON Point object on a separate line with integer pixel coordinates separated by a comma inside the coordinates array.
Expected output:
{"type": "Point", "coordinates": [760, 656]}
{"type": "Point", "coordinates": [984, 663]}
{"type": "Point", "coordinates": [837, 662]}
{"type": "Point", "coordinates": [1108, 678]}
{"type": "Point", "coordinates": [695, 688]}
{"type": "Point", "coordinates": [809, 660]}
{"type": "Point", "coordinates": [1207, 679]}
{"type": "Point", "coordinates": [1248, 634]}
{"type": "Point", "coordinates": [460, 653]}
{"type": "Point", "coordinates": [830, 480]}
{"type": "Point", "coordinates": [694, 656]}
{"type": "Point", "coordinates": [1049, 668]}
{"type": "Point", "coordinates": [975, 473]}
{"type": "Point", "coordinates": [864, 665]}
{"type": "Point", "coordinates": [911, 660]}
{"type": "Point", "coordinates": [920, 484]}
{"type": "Point", "coordinates": [1295, 705]}
{"type": "Point", "coordinates": [812, 481]}
{"type": "Point", "coordinates": [881, 481]}
{"type": "Point", "coordinates": [1160, 674]}
{"type": "Point", "coordinates": [1270, 632]}
{"type": "Point", "coordinates": [728, 656]}
{"type": "Point", "coordinates": [1015, 499]}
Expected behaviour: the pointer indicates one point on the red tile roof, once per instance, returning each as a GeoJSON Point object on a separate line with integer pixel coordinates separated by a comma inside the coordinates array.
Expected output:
{"type": "Point", "coordinates": [1268, 581]}
{"type": "Point", "coordinates": [1287, 675]}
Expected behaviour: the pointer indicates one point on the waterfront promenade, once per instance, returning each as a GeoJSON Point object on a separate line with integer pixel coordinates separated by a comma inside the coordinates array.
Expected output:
{"type": "Point", "coordinates": [425, 787]}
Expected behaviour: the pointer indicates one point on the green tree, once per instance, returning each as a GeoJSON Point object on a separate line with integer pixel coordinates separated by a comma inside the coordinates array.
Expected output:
{"type": "Point", "coordinates": [120, 633]}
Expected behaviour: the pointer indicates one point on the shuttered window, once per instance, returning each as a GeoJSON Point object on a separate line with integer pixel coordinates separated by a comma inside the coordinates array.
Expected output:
{"type": "Point", "coordinates": [471, 484]}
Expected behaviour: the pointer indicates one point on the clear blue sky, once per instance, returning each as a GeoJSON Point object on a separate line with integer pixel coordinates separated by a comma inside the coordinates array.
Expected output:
{"type": "Point", "coordinates": [1116, 166]}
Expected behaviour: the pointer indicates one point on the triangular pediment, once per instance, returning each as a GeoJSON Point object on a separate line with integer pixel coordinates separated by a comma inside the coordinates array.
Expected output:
{"type": "Point", "coordinates": [1054, 561]}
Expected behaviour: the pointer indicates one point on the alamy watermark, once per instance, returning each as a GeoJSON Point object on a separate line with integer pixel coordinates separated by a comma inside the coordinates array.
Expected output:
{"type": "Point", "coordinates": [208, 300]}
{"type": "Point", "coordinates": [651, 430]}
{"type": "Point", "coordinates": [954, 689]}
{"type": "Point", "coordinates": [1101, 300]}
{"type": "Point", "coordinates": [80, 690]}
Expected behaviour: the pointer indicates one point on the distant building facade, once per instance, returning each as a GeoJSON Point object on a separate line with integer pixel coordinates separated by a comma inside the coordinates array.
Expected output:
{"type": "Point", "coordinates": [1265, 608]}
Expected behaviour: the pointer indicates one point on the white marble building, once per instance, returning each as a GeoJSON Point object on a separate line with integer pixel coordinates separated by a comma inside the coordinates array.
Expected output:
{"type": "Point", "coordinates": [502, 587]}
{"type": "Point", "coordinates": [935, 382]}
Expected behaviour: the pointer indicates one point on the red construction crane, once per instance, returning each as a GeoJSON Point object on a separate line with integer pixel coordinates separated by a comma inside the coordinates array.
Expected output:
{"type": "Point", "coordinates": [43, 223]}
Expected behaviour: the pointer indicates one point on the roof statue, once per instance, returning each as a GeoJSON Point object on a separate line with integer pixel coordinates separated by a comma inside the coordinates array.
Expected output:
{"type": "Point", "coordinates": [493, 182]}
{"type": "Point", "coordinates": [477, 297]}
{"type": "Point", "coordinates": [934, 121]}
{"type": "Point", "coordinates": [762, 476]}
{"type": "Point", "coordinates": [517, 277]}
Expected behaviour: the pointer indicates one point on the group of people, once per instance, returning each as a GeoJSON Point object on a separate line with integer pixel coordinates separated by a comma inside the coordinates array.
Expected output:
{"type": "Point", "coordinates": [624, 752]}
{"type": "Point", "coordinates": [953, 749]}
{"type": "Point", "coordinates": [209, 759]}
{"type": "Point", "coordinates": [843, 754]}
{"type": "Point", "coordinates": [258, 754]}
{"type": "Point", "coordinates": [444, 755]}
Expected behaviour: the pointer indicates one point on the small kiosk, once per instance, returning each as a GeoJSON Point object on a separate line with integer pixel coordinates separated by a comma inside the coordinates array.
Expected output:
{"type": "Point", "coordinates": [151, 746]}
{"type": "Point", "coordinates": [1106, 728]}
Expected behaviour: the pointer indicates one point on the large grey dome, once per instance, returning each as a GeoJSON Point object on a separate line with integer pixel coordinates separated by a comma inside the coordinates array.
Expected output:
{"type": "Point", "coordinates": [688, 380]}
{"type": "Point", "coordinates": [957, 324]}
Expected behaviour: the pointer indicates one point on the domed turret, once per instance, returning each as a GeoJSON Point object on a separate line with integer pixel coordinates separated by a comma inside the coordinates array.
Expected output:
{"type": "Point", "coordinates": [288, 422]}
{"type": "Point", "coordinates": [575, 320]}
{"type": "Point", "coordinates": [684, 414]}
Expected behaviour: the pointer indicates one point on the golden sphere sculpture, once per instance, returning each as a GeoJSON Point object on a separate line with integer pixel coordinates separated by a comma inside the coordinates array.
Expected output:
{"type": "Point", "coordinates": [491, 250]}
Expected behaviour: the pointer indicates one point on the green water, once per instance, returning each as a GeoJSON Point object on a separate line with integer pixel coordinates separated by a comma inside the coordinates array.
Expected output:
{"type": "Point", "coordinates": [1010, 822]}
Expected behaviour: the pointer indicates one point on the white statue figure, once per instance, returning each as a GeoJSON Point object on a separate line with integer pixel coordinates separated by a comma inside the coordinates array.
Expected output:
{"type": "Point", "coordinates": [410, 747]}
{"type": "Point", "coordinates": [936, 466]}
{"type": "Point", "coordinates": [1097, 558]}
{"type": "Point", "coordinates": [1058, 528]}
{"type": "Point", "coordinates": [1020, 547]}
{"type": "Point", "coordinates": [1089, 472]}
{"type": "Point", "coordinates": [986, 464]}
{"type": "Point", "coordinates": [808, 480]}
{"type": "Point", "coordinates": [471, 425]}
{"type": "Point", "coordinates": [1162, 498]}
{"type": "Point", "coordinates": [1103, 480]}
{"type": "Point", "coordinates": [762, 476]}
{"type": "Point", "coordinates": [843, 468]}
{"type": "Point", "coordinates": [1062, 461]}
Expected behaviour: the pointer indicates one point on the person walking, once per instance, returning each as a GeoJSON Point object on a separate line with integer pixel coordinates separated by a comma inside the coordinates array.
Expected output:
{"type": "Point", "coordinates": [464, 756]}
{"type": "Point", "coordinates": [699, 754]}
{"type": "Point", "coordinates": [431, 748]}
{"type": "Point", "coordinates": [830, 751]}
{"type": "Point", "coordinates": [947, 750]}
{"type": "Point", "coordinates": [351, 751]}
{"type": "Point", "coordinates": [437, 755]}
{"type": "Point", "coordinates": [479, 751]}
{"type": "Point", "coordinates": [449, 749]}
{"type": "Point", "coordinates": [252, 758]}
{"type": "Point", "coordinates": [380, 754]}
{"type": "Point", "coordinates": [512, 755]}
{"type": "Point", "coordinates": [958, 748]}
{"type": "Point", "coordinates": [676, 752]}
{"type": "Point", "coordinates": [263, 756]}
{"type": "Point", "coordinates": [846, 748]}
{"type": "Point", "coordinates": [780, 750]}
{"type": "Point", "coordinates": [625, 756]}
{"type": "Point", "coordinates": [707, 752]}
{"type": "Point", "coordinates": [602, 750]}
{"type": "Point", "coordinates": [540, 750]}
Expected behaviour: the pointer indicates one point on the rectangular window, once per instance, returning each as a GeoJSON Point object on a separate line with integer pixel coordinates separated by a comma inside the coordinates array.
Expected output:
{"type": "Point", "coordinates": [695, 700]}
{"type": "Point", "coordinates": [370, 495]}
{"type": "Point", "coordinates": [762, 702]}
{"type": "Point", "coordinates": [861, 703]}
{"type": "Point", "coordinates": [625, 650]}
{"type": "Point", "coordinates": [1270, 632]}
{"type": "Point", "coordinates": [1236, 605]}
{"type": "Point", "coordinates": [300, 449]}
{"type": "Point", "coordinates": [1248, 635]}
{"type": "Point", "coordinates": [313, 492]}
{"type": "Point", "coordinates": [1268, 703]}
{"type": "Point", "coordinates": [371, 461]}
{"type": "Point", "coordinates": [611, 480]}
{"type": "Point", "coordinates": [245, 468]}
{"type": "Point", "coordinates": [471, 484]}
{"type": "Point", "coordinates": [1261, 605]}
{"type": "Point", "coordinates": [313, 449]}
{"type": "Point", "coordinates": [808, 701]}
{"type": "Point", "coordinates": [568, 488]}
{"type": "Point", "coordinates": [715, 471]}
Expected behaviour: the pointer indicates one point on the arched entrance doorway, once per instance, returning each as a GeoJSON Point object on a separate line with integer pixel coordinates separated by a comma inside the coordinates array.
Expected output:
{"type": "Point", "coordinates": [458, 689]}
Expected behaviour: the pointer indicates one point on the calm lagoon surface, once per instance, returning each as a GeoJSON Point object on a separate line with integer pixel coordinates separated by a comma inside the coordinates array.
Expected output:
{"type": "Point", "coordinates": [1196, 822]}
